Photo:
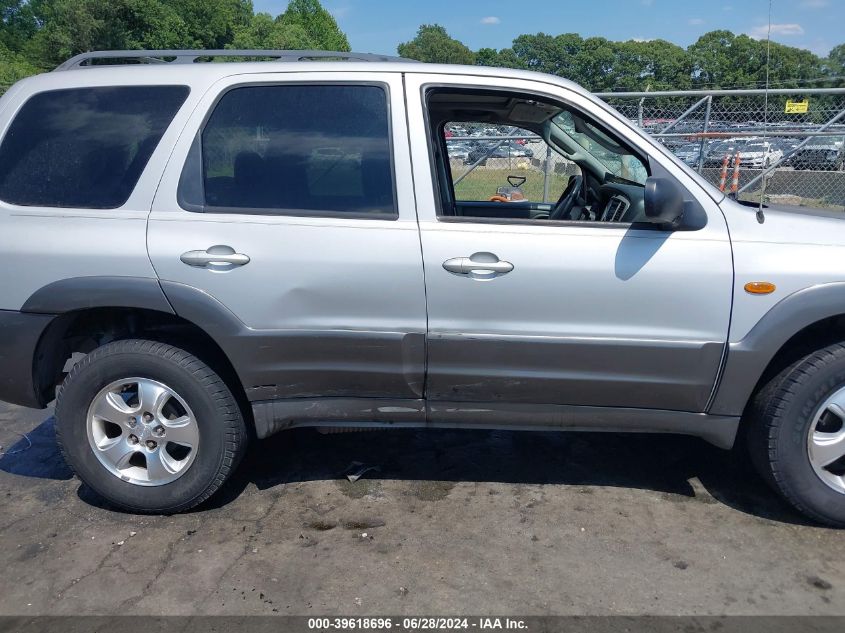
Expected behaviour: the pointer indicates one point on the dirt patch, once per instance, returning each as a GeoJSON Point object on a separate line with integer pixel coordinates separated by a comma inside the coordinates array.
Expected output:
{"type": "Point", "coordinates": [321, 526]}
{"type": "Point", "coordinates": [361, 524]}
{"type": "Point", "coordinates": [360, 489]}
{"type": "Point", "coordinates": [431, 490]}
{"type": "Point", "coordinates": [819, 583]}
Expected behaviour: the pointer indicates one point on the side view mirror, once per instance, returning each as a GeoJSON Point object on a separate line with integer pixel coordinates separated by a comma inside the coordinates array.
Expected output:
{"type": "Point", "coordinates": [664, 201]}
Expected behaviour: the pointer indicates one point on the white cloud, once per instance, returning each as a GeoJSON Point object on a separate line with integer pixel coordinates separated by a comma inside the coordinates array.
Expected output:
{"type": "Point", "coordinates": [788, 29]}
{"type": "Point", "coordinates": [759, 32]}
{"type": "Point", "coordinates": [695, 21]}
{"type": "Point", "coordinates": [339, 12]}
{"type": "Point", "coordinates": [814, 4]}
{"type": "Point", "coordinates": [648, 3]}
{"type": "Point", "coordinates": [643, 39]}
{"type": "Point", "coordinates": [490, 19]}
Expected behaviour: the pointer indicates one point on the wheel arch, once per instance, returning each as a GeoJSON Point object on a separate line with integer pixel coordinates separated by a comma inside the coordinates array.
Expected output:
{"type": "Point", "coordinates": [799, 324]}
{"type": "Point", "coordinates": [91, 311]}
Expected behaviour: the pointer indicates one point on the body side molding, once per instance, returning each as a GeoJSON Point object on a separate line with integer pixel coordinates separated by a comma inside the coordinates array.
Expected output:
{"type": "Point", "coordinates": [748, 358]}
{"type": "Point", "coordinates": [582, 371]}
{"type": "Point", "coordinates": [277, 415]}
{"type": "Point", "coordinates": [274, 416]}
{"type": "Point", "coordinates": [717, 430]}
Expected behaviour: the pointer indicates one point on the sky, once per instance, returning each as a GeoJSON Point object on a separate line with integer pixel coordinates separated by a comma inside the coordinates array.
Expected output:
{"type": "Point", "coordinates": [377, 26]}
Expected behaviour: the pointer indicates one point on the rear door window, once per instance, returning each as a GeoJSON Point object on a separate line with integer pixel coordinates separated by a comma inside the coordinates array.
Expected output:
{"type": "Point", "coordinates": [321, 150]}
{"type": "Point", "coordinates": [84, 147]}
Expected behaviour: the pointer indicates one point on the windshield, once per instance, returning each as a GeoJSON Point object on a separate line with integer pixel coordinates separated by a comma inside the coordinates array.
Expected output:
{"type": "Point", "coordinates": [615, 158]}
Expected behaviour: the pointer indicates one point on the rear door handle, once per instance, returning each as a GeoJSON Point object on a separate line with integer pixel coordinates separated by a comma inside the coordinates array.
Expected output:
{"type": "Point", "coordinates": [218, 257]}
{"type": "Point", "coordinates": [478, 265]}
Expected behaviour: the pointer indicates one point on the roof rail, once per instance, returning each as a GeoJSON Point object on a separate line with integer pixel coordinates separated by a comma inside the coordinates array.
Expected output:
{"type": "Point", "coordinates": [86, 60]}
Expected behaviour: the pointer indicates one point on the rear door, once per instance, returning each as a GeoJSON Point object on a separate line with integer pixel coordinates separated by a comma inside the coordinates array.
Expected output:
{"type": "Point", "coordinates": [288, 205]}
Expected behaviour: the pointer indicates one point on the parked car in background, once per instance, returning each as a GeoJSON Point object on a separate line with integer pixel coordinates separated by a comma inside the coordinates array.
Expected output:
{"type": "Point", "coordinates": [715, 154]}
{"type": "Point", "coordinates": [459, 151]}
{"type": "Point", "coordinates": [458, 130]}
{"type": "Point", "coordinates": [820, 153]}
{"type": "Point", "coordinates": [505, 149]}
{"type": "Point", "coordinates": [754, 152]}
{"type": "Point", "coordinates": [758, 154]}
{"type": "Point", "coordinates": [689, 153]}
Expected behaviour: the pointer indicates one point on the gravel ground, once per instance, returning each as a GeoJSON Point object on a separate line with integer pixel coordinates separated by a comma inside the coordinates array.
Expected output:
{"type": "Point", "coordinates": [451, 522]}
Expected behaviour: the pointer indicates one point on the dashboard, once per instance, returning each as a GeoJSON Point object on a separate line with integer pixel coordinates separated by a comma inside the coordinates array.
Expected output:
{"type": "Point", "coordinates": [618, 202]}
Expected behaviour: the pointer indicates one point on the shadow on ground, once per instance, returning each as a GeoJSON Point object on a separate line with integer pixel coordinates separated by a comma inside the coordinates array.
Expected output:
{"type": "Point", "coordinates": [666, 464]}
{"type": "Point", "coordinates": [36, 454]}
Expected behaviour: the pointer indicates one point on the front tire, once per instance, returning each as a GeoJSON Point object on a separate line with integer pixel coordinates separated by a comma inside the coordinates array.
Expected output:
{"type": "Point", "coordinates": [796, 434]}
{"type": "Point", "coordinates": [148, 426]}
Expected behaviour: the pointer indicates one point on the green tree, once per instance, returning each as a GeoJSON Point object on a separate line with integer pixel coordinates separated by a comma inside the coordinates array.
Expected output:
{"type": "Point", "coordinates": [556, 55]}
{"type": "Point", "coordinates": [487, 57]}
{"type": "Point", "coordinates": [652, 65]}
{"type": "Point", "coordinates": [834, 66]}
{"type": "Point", "coordinates": [13, 67]}
{"type": "Point", "coordinates": [721, 59]}
{"type": "Point", "coordinates": [18, 22]}
{"type": "Point", "coordinates": [265, 32]}
{"type": "Point", "coordinates": [594, 63]}
{"type": "Point", "coordinates": [319, 26]}
{"type": "Point", "coordinates": [504, 58]}
{"type": "Point", "coordinates": [75, 26]}
{"type": "Point", "coordinates": [433, 44]}
{"type": "Point", "coordinates": [211, 24]}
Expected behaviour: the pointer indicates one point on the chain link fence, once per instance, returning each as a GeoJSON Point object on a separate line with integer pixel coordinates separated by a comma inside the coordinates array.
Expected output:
{"type": "Point", "coordinates": [790, 144]}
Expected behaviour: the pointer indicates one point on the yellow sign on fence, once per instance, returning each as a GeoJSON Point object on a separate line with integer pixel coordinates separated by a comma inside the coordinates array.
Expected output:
{"type": "Point", "coordinates": [797, 107]}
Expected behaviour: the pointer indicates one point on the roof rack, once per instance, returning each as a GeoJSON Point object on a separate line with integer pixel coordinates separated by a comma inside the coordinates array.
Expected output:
{"type": "Point", "coordinates": [129, 57]}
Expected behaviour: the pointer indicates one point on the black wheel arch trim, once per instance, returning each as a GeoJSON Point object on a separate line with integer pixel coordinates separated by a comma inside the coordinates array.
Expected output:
{"type": "Point", "coordinates": [748, 358]}
{"type": "Point", "coordinates": [20, 334]}
{"type": "Point", "coordinates": [26, 333]}
{"type": "Point", "coordinates": [82, 293]}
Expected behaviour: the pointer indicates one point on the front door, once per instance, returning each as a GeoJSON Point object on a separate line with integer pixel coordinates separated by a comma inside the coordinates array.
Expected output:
{"type": "Point", "coordinates": [528, 310]}
{"type": "Point", "coordinates": [287, 207]}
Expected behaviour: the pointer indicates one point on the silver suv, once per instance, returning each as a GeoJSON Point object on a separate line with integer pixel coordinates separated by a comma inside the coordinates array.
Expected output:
{"type": "Point", "coordinates": [200, 253]}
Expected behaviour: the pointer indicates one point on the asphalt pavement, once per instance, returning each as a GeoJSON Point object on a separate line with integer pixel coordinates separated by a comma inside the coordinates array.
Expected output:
{"type": "Point", "coordinates": [446, 522]}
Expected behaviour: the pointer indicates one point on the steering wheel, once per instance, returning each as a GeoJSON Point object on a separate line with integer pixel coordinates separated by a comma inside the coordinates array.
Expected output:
{"type": "Point", "coordinates": [567, 198]}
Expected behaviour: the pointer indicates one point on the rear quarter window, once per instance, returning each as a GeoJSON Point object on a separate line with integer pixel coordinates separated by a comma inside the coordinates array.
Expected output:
{"type": "Point", "coordinates": [84, 147]}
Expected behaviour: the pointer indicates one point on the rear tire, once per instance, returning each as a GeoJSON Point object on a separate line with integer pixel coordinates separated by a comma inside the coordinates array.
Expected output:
{"type": "Point", "coordinates": [148, 426]}
{"type": "Point", "coordinates": [795, 426]}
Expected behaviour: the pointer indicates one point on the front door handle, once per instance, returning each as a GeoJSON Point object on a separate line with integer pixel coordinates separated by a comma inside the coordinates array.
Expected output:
{"type": "Point", "coordinates": [478, 265]}
{"type": "Point", "coordinates": [218, 257]}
